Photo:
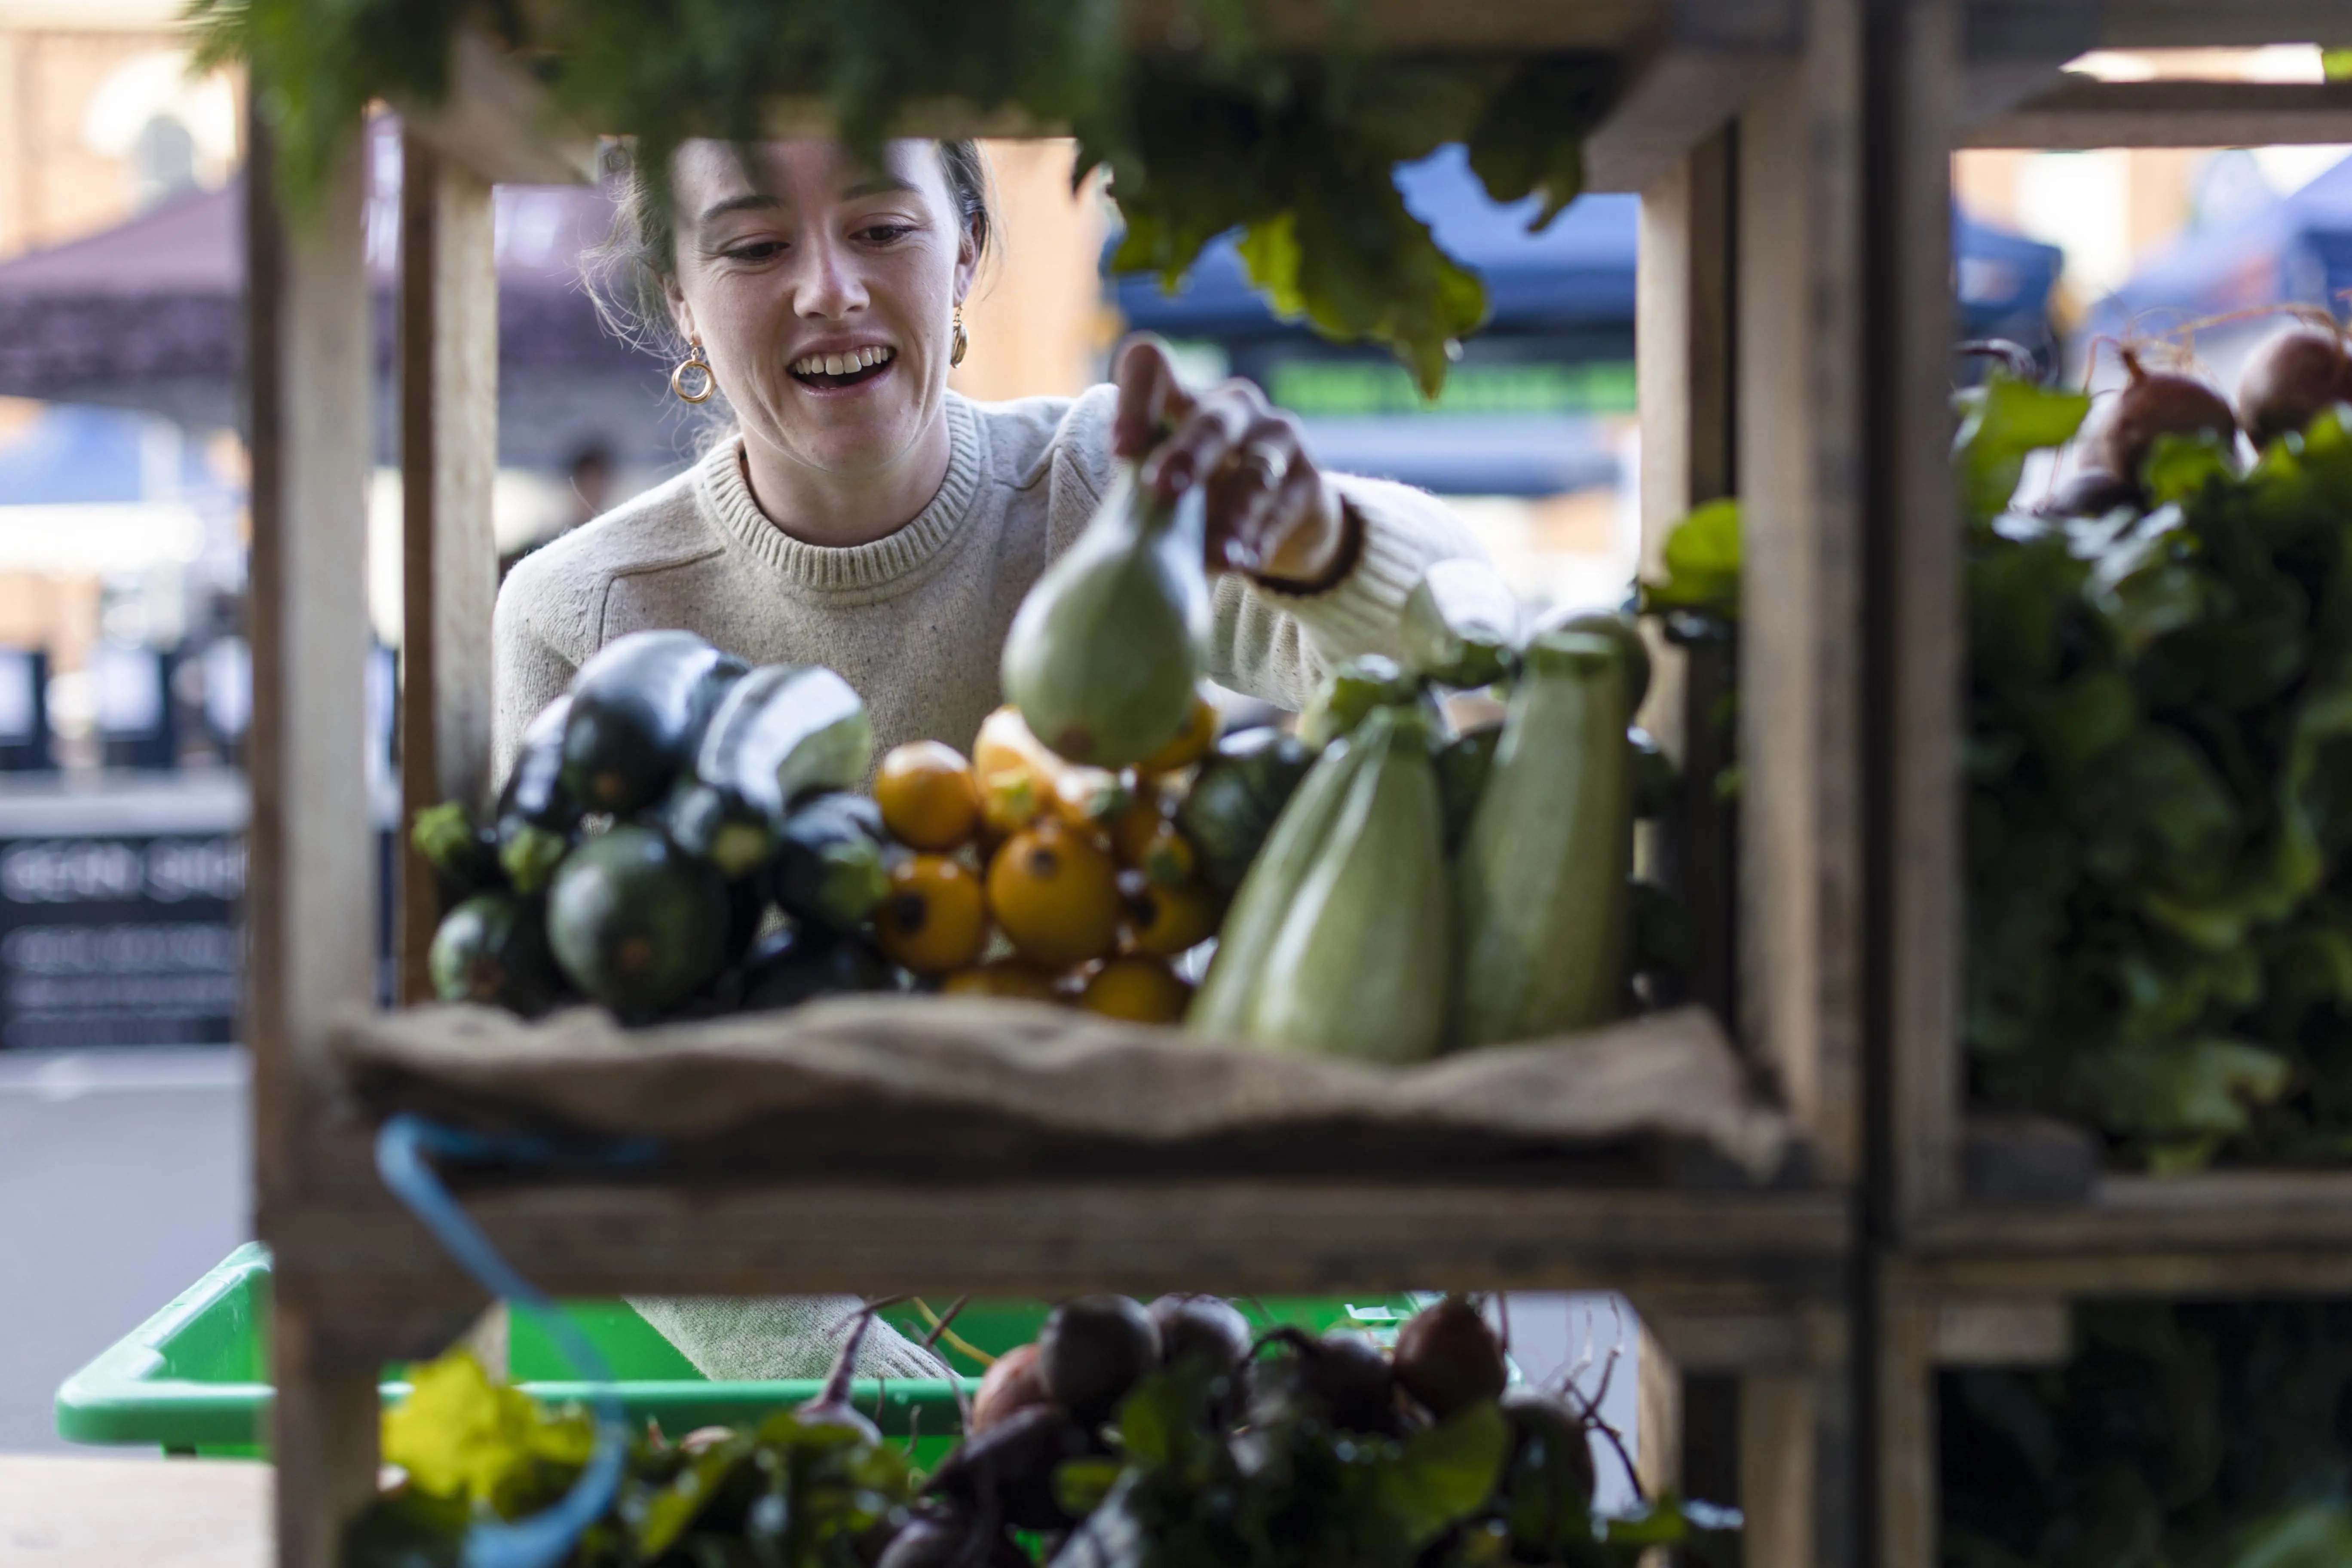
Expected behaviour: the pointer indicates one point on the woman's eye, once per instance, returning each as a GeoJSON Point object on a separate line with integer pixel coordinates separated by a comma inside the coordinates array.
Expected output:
{"type": "Point", "coordinates": [758, 250]}
{"type": "Point", "coordinates": [888, 233]}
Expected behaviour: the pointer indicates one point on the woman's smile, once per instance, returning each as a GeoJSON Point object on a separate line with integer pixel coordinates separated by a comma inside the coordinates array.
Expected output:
{"type": "Point", "coordinates": [834, 371]}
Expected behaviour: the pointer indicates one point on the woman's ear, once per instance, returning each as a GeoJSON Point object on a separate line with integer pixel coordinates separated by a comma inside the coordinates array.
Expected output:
{"type": "Point", "coordinates": [680, 313]}
{"type": "Point", "coordinates": [967, 265]}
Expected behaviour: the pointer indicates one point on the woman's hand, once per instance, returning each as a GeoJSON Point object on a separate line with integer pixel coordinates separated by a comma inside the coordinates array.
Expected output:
{"type": "Point", "coordinates": [1271, 512]}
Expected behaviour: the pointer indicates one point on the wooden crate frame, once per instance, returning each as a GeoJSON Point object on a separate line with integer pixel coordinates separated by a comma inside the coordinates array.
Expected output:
{"type": "Point", "coordinates": [1960, 1278]}
{"type": "Point", "coordinates": [2233, 1230]}
{"type": "Point", "coordinates": [1752, 1285]}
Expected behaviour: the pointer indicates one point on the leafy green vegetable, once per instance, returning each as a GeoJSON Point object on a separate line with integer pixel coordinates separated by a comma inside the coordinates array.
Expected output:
{"type": "Point", "coordinates": [2202, 1436]}
{"type": "Point", "coordinates": [786, 1494]}
{"type": "Point", "coordinates": [2159, 811]}
{"type": "Point", "coordinates": [1220, 132]}
{"type": "Point", "coordinates": [1701, 555]}
{"type": "Point", "coordinates": [460, 1436]}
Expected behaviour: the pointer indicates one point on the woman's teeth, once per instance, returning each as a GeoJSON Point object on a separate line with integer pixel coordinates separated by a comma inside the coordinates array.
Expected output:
{"type": "Point", "coordinates": [841, 365]}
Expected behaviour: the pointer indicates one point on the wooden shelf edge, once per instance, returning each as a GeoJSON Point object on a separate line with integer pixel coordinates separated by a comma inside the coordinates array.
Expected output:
{"type": "Point", "coordinates": [2233, 1233]}
{"type": "Point", "coordinates": [1685, 81]}
{"type": "Point", "coordinates": [2076, 27]}
{"type": "Point", "coordinates": [1704, 1249]}
{"type": "Point", "coordinates": [2081, 113]}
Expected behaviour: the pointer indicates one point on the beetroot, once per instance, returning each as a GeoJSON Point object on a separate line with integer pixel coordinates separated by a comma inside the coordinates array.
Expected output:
{"type": "Point", "coordinates": [2154, 404]}
{"type": "Point", "coordinates": [1093, 1350]}
{"type": "Point", "coordinates": [830, 1407]}
{"type": "Point", "coordinates": [1012, 1384]}
{"type": "Point", "coordinates": [2091, 492]}
{"type": "Point", "coordinates": [2290, 377]}
{"type": "Point", "coordinates": [1343, 1378]}
{"type": "Point", "coordinates": [1449, 1359]}
{"type": "Point", "coordinates": [1204, 1328]}
{"type": "Point", "coordinates": [953, 1539]}
{"type": "Point", "coordinates": [1010, 1467]}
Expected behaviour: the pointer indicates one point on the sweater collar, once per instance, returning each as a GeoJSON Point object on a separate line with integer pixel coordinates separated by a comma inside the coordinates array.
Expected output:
{"type": "Point", "coordinates": [895, 562]}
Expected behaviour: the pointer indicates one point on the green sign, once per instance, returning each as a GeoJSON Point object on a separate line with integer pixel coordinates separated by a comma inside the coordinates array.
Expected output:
{"type": "Point", "coordinates": [1331, 388]}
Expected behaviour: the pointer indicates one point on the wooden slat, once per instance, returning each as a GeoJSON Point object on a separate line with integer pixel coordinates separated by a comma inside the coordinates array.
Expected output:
{"type": "Point", "coordinates": [1915, 627]}
{"type": "Point", "coordinates": [1685, 81]}
{"type": "Point", "coordinates": [495, 123]}
{"type": "Point", "coordinates": [1502, 26]}
{"type": "Point", "coordinates": [2233, 1231]}
{"type": "Point", "coordinates": [2010, 27]}
{"type": "Point", "coordinates": [2002, 1333]}
{"type": "Point", "coordinates": [1905, 1452]}
{"type": "Point", "coordinates": [322, 1435]}
{"type": "Point", "coordinates": [448, 424]}
{"type": "Point", "coordinates": [2080, 113]}
{"type": "Point", "coordinates": [1699, 1252]}
{"type": "Point", "coordinates": [1779, 1472]}
{"type": "Point", "coordinates": [1798, 458]}
{"type": "Point", "coordinates": [309, 905]}
{"type": "Point", "coordinates": [1657, 1415]}
{"type": "Point", "coordinates": [1682, 340]}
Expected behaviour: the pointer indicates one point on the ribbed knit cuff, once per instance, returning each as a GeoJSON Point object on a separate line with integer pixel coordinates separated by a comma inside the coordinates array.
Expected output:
{"type": "Point", "coordinates": [1359, 613]}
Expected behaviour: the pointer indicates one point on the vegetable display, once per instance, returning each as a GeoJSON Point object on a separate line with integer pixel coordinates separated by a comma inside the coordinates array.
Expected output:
{"type": "Point", "coordinates": [1128, 1435]}
{"type": "Point", "coordinates": [1213, 127]}
{"type": "Point", "coordinates": [2159, 766]}
{"type": "Point", "coordinates": [2205, 1435]}
{"type": "Point", "coordinates": [1352, 853]}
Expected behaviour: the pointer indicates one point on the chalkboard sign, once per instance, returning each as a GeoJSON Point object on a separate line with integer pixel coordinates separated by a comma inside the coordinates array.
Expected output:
{"type": "Point", "coordinates": [118, 917]}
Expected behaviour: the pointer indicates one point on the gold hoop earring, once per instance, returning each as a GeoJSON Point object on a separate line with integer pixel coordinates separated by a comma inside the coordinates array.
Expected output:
{"type": "Point", "coordinates": [694, 361]}
{"type": "Point", "coordinates": [960, 341]}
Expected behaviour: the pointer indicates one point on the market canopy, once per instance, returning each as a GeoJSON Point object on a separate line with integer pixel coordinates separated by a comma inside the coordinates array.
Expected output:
{"type": "Point", "coordinates": [149, 314]}
{"type": "Point", "coordinates": [1577, 274]}
{"type": "Point", "coordinates": [2298, 249]}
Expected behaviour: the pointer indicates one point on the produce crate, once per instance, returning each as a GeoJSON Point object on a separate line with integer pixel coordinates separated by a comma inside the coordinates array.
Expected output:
{"type": "Point", "coordinates": [194, 1378]}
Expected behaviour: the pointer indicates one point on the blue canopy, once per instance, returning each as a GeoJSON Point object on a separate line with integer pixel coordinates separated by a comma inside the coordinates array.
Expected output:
{"type": "Point", "coordinates": [1576, 274]}
{"type": "Point", "coordinates": [2298, 249]}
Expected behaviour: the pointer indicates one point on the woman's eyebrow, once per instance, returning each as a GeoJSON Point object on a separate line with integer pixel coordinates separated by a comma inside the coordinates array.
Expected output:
{"type": "Point", "coordinates": [881, 185]}
{"type": "Point", "coordinates": [749, 201]}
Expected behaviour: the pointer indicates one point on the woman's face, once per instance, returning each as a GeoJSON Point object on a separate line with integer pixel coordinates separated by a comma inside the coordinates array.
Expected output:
{"type": "Point", "coordinates": [823, 294]}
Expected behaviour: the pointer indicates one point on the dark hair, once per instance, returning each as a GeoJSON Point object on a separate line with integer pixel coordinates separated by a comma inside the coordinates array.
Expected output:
{"type": "Point", "coordinates": [628, 274]}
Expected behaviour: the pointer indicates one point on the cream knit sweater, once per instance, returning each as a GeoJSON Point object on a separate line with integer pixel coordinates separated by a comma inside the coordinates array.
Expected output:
{"type": "Point", "coordinates": [916, 621]}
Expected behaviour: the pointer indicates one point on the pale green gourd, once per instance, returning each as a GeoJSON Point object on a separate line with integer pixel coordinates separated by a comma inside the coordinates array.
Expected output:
{"type": "Point", "coordinates": [1108, 647]}
{"type": "Point", "coordinates": [1362, 964]}
{"type": "Point", "coordinates": [1540, 883]}
{"type": "Point", "coordinates": [1222, 1004]}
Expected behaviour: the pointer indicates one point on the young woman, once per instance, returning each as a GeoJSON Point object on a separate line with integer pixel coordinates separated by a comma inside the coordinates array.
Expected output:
{"type": "Point", "coordinates": [862, 516]}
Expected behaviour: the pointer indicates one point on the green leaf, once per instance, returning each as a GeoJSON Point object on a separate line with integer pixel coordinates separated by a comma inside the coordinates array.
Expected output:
{"type": "Point", "coordinates": [2315, 1535]}
{"type": "Point", "coordinates": [1444, 1472]}
{"type": "Point", "coordinates": [2001, 422]}
{"type": "Point", "coordinates": [1701, 556]}
{"type": "Point", "coordinates": [1081, 1485]}
{"type": "Point", "coordinates": [458, 1435]}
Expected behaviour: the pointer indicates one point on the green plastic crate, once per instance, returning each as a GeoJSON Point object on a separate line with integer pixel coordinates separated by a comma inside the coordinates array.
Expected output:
{"type": "Point", "coordinates": [194, 1378]}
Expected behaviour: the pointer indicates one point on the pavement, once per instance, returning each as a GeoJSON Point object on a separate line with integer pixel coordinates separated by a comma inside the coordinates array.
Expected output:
{"type": "Point", "coordinates": [122, 1179]}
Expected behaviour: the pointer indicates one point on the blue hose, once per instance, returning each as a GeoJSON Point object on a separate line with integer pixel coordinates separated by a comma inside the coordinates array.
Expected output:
{"type": "Point", "coordinates": [404, 1150]}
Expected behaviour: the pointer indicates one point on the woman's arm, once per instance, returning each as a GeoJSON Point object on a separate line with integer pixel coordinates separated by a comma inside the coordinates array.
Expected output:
{"type": "Point", "coordinates": [1277, 644]}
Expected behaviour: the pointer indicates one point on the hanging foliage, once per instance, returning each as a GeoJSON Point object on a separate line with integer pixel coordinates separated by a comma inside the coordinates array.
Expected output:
{"type": "Point", "coordinates": [1219, 132]}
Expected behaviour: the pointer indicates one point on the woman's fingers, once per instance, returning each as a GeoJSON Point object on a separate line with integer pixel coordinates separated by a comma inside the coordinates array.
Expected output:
{"type": "Point", "coordinates": [1217, 423]}
{"type": "Point", "coordinates": [1245, 492]}
{"type": "Point", "coordinates": [1306, 533]}
{"type": "Point", "coordinates": [1150, 398]}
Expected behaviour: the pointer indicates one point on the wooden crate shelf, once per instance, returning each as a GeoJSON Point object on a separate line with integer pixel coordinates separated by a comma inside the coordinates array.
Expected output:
{"type": "Point", "coordinates": [1742, 125]}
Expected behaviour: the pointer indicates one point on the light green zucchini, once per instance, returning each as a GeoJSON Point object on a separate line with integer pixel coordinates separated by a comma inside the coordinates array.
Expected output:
{"type": "Point", "coordinates": [1361, 966]}
{"type": "Point", "coordinates": [1222, 1002]}
{"type": "Point", "coordinates": [1540, 881]}
{"type": "Point", "coordinates": [1460, 625]}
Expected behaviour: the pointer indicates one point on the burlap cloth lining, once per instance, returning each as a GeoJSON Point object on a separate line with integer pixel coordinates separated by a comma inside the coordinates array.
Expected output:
{"type": "Point", "coordinates": [999, 1086]}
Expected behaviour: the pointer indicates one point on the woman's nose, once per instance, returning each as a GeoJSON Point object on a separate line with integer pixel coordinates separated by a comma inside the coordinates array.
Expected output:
{"type": "Point", "coordinates": [829, 284]}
